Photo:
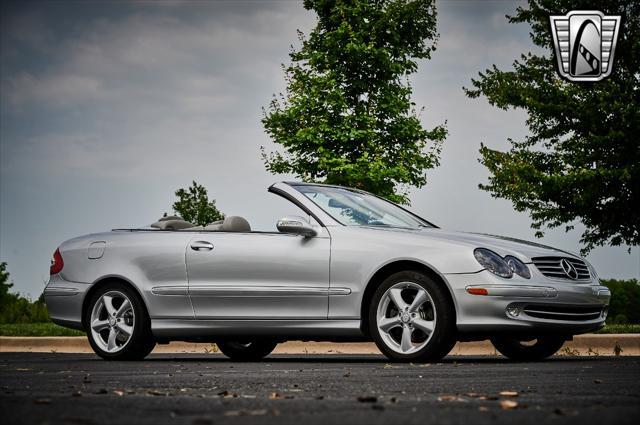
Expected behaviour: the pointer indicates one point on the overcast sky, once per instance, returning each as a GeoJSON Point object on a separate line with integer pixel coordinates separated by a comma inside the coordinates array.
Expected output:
{"type": "Point", "coordinates": [108, 107]}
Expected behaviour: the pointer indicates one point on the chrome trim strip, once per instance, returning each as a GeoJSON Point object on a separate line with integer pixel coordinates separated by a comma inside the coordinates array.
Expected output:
{"type": "Point", "coordinates": [560, 313]}
{"type": "Point", "coordinates": [170, 290]}
{"type": "Point", "coordinates": [339, 291]}
{"type": "Point", "coordinates": [264, 291]}
{"type": "Point", "coordinates": [60, 291]}
{"type": "Point", "coordinates": [520, 291]}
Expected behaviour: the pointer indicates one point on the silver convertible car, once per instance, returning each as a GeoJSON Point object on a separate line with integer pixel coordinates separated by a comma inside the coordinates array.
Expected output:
{"type": "Point", "coordinates": [351, 267]}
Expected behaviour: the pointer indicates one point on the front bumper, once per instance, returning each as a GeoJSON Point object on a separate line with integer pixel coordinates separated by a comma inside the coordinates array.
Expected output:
{"type": "Point", "coordinates": [527, 306]}
{"type": "Point", "coordinates": [64, 301]}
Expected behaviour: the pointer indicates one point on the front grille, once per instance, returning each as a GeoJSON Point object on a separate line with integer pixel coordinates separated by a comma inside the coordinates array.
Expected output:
{"type": "Point", "coordinates": [569, 313]}
{"type": "Point", "coordinates": [552, 267]}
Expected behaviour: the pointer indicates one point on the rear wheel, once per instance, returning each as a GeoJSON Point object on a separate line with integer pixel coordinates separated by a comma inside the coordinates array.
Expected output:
{"type": "Point", "coordinates": [117, 323]}
{"type": "Point", "coordinates": [411, 318]}
{"type": "Point", "coordinates": [246, 351]}
{"type": "Point", "coordinates": [528, 350]}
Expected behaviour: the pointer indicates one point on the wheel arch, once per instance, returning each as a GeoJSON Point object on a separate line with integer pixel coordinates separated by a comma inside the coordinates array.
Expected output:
{"type": "Point", "coordinates": [387, 270]}
{"type": "Point", "coordinates": [99, 283]}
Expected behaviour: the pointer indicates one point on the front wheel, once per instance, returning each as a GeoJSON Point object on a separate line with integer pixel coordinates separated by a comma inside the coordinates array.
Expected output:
{"type": "Point", "coordinates": [117, 324]}
{"type": "Point", "coordinates": [528, 350]}
{"type": "Point", "coordinates": [411, 318]}
{"type": "Point", "coordinates": [246, 351]}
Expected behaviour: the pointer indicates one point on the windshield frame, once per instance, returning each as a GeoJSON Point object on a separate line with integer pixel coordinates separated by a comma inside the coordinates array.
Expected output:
{"type": "Point", "coordinates": [425, 223]}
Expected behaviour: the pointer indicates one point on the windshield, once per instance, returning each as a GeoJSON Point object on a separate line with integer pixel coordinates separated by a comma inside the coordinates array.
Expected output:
{"type": "Point", "coordinates": [353, 208]}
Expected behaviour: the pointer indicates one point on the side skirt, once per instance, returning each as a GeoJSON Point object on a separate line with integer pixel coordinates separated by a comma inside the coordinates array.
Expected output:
{"type": "Point", "coordinates": [318, 330]}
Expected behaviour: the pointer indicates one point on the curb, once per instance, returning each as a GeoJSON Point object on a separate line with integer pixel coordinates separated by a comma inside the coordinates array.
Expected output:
{"type": "Point", "coordinates": [582, 345]}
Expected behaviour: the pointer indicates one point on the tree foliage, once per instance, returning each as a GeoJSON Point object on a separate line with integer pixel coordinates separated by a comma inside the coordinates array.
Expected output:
{"type": "Point", "coordinates": [625, 301]}
{"type": "Point", "coordinates": [17, 309]}
{"type": "Point", "coordinates": [582, 158]}
{"type": "Point", "coordinates": [347, 117]}
{"type": "Point", "coordinates": [193, 205]}
{"type": "Point", "coordinates": [5, 283]}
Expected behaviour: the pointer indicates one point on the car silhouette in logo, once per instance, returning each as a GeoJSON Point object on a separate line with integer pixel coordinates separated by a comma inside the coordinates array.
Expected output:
{"type": "Point", "coordinates": [585, 44]}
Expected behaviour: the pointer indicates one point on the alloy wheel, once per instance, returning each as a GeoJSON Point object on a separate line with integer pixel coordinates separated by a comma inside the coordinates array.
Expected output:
{"type": "Point", "coordinates": [112, 321]}
{"type": "Point", "coordinates": [406, 317]}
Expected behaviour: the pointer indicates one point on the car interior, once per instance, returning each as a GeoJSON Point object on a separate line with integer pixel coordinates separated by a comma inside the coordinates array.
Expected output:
{"type": "Point", "coordinates": [231, 223]}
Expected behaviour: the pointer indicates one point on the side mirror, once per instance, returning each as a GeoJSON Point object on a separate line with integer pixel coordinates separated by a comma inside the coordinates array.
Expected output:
{"type": "Point", "coordinates": [296, 225]}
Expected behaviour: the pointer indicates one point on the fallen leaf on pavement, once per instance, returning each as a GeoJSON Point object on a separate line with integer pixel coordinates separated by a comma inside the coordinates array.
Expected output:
{"type": "Point", "coordinates": [475, 395]}
{"type": "Point", "coordinates": [227, 394]}
{"type": "Point", "coordinates": [448, 398]}
{"type": "Point", "coordinates": [508, 404]}
{"type": "Point", "coordinates": [509, 393]}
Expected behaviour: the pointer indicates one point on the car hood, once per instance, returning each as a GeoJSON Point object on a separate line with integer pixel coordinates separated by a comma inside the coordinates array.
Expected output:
{"type": "Point", "coordinates": [503, 245]}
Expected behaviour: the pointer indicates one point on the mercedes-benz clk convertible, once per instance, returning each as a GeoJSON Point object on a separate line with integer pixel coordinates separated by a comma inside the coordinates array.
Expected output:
{"type": "Point", "coordinates": [351, 267]}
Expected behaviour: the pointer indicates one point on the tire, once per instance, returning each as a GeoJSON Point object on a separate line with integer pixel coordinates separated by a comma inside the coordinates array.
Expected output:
{"type": "Point", "coordinates": [100, 324]}
{"type": "Point", "coordinates": [535, 350]}
{"type": "Point", "coordinates": [246, 351]}
{"type": "Point", "coordinates": [433, 311]}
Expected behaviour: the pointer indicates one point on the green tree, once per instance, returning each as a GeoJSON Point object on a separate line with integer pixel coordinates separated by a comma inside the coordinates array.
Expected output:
{"type": "Point", "coordinates": [194, 206]}
{"type": "Point", "coordinates": [625, 300]}
{"type": "Point", "coordinates": [5, 285]}
{"type": "Point", "coordinates": [16, 309]}
{"type": "Point", "coordinates": [347, 117]}
{"type": "Point", "coordinates": [581, 161]}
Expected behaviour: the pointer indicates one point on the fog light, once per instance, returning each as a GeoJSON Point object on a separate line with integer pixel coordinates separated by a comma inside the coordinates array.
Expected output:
{"type": "Point", "coordinates": [604, 313]}
{"type": "Point", "coordinates": [513, 311]}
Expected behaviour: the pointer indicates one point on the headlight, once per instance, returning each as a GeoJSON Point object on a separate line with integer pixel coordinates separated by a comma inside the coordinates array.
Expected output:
{"type": "Point", "coordinates": [493, 262]}
{"type": "Point", "coordinates": [518, 267]}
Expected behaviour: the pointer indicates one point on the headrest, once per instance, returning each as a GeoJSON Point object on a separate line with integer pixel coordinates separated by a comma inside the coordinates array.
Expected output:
{"type": "Point", "coordinates": [232, 223]}
{"type": "Point", "coordinates": [172, 224]}
{"type": "Point", "coordinates": [235, 223]}
{"type": "Point", "coordinates": [171, 217]}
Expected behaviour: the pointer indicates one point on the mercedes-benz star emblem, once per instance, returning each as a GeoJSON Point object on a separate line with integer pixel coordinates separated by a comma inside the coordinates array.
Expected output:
{"type": "Point", "coordinates": [569, 269]}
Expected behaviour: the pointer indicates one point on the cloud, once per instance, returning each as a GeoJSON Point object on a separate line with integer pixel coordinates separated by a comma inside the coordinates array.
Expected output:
{"type": "Point", "coordinates": [119, 94]}
{"type": "Point", "coordinates": [60, 90]}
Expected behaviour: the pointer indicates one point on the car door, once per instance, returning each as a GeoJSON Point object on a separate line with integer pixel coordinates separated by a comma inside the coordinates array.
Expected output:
{"type": "Point", "coordinates": [258, 275]}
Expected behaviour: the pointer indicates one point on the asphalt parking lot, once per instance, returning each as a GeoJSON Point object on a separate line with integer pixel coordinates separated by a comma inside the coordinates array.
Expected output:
{"type": "Point", "coordinates": [306, 389]}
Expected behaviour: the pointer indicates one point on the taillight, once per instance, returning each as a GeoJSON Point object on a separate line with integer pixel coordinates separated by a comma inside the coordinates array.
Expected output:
{"type": "Point", "coordinates": [56, 263]}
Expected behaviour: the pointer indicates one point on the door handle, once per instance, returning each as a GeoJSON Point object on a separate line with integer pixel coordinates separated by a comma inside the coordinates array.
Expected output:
{"type": "Point", "coordinates": [201, 246]}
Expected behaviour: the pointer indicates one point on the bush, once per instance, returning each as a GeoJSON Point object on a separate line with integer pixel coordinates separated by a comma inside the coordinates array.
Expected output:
{"type": "Point", "coordinates": [23, 310]}
{"type": "Point", "coordinates": [625, 300]}
{"type": "Point", "coordinates": [15, 308]}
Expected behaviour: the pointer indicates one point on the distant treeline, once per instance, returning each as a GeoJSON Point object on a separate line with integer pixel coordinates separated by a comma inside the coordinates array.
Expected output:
{"type": "Point", "coordinates": [14, 308]}
{"type": "Point", "coordinates": [625, 301]}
